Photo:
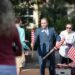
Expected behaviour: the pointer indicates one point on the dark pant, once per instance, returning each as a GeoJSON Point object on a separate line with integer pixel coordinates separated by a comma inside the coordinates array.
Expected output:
{"type": "Point", "coordinates": [51, 60]}
{"type": "Point", "coordinates": [65, 60]}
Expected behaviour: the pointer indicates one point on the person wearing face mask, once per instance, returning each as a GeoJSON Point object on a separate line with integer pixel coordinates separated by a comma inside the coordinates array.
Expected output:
{"type": "Point", "coordinates": [45, 36]}
{"type": "Point", "coordinates": [69, 40]}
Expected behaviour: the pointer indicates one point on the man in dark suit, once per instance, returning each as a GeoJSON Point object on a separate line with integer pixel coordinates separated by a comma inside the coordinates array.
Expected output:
{"type": "Point", "coordinates": [44, 36]}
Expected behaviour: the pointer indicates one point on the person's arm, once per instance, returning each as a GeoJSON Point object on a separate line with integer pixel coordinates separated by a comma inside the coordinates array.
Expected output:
{"type": "Point", "coordinates": [17, 42]}
{"type": "Point", "coordinates": [23, 40]}
{"type": "Point", "coordinates": [61, 34]}
{"type": "Point", "coordinates": [72, 64]}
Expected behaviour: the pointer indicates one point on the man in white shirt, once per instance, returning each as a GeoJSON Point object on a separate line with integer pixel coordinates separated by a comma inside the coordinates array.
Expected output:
{"type": "Point", "coordinates": [69, 37]}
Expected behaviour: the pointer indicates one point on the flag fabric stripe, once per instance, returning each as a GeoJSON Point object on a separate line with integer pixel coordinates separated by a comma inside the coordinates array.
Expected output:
{"type": "Point", "coordinates": [32, 36]}
{"type": "Point", "coordinates": [71, 53]}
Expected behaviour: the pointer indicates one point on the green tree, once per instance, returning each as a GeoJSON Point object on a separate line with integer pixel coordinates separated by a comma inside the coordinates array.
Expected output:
{"type": "Point", "coordinates": [57, 12]}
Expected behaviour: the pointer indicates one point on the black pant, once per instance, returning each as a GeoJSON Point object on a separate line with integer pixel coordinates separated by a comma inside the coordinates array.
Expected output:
{"type": "Point", "coordinates": [51, 60]}
{"type": "Point", "coordinates": [65, 60]}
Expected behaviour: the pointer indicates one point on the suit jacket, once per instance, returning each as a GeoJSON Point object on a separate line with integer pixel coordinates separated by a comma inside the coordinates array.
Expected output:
{"type": "Point", "coordinates": [45, 42]}
{"type": "Point", "coordinates": [22, 37]}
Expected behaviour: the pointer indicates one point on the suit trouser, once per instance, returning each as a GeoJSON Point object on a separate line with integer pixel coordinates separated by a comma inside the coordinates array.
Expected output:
{"type": "Point", "coordinates": [51, 60]}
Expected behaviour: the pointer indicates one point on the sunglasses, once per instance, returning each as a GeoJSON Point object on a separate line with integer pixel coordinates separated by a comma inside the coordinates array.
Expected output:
{"type": "Point", "coordinates": [68, 27]}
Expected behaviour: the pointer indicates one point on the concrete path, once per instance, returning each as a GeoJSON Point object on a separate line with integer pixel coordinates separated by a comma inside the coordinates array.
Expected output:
{"type": "Point", "coordinates": [33, 72]}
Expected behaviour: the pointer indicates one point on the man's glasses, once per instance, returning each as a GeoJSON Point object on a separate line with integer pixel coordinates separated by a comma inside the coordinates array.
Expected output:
{"type": "Point", "coordinates": [68, 27]}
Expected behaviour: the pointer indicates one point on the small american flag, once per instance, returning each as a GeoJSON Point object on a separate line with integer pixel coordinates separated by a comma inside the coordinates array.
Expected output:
{"type": "Point", "coordinates": [32, 39]}
{"type": "Point", "coordinates": [32, 36]}
{"type": "Point", "coordinates": [71, 53]}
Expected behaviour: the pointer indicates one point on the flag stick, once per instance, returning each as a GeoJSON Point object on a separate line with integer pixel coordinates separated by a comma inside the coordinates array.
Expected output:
{"type": "Point", "coordinates": [32, 52]}
{"type": "Point", "coordinates": [32, 40]}
{"type": "Point", "coordinates": [51, 51]}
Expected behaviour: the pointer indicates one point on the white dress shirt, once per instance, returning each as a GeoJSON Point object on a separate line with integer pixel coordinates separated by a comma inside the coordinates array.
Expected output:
{"type": "Point", "coordinates": [46, 31]}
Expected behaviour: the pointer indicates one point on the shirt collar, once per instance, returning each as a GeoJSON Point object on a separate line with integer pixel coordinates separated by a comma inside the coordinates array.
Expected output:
{"type": "Point", "coordinates": [45, 30]}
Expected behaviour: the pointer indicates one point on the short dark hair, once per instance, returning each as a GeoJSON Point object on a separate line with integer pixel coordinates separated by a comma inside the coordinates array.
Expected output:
{"type": "Point", "coordinates": [17, 19]}
{"type": "Point", "coordinates": [43, 18]}
{"type": "Point", "coordinates": [69, 24]}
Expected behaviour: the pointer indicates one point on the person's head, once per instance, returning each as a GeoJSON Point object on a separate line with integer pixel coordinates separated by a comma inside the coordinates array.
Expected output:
{"type": "Point", "coordinates": [18, 20]}
{"type": "Point", "coordinates": [6, 17]}
{"type": "Point", "coordinates": [44, 22]}
{"type": "Point", "coordinates": [69, 27]}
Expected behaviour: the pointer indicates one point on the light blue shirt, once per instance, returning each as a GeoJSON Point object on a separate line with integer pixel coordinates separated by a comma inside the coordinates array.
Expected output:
{"type": "Point", "coordinates": [22, 37]}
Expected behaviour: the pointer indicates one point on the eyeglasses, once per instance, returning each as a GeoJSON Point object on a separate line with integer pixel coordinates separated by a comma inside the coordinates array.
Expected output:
{"type": "Point", "coordinates": [68, 27]}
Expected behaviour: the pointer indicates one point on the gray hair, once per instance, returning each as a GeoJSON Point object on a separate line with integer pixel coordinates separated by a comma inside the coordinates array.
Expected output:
{"type": "Point", "coordinates": [6, 17]}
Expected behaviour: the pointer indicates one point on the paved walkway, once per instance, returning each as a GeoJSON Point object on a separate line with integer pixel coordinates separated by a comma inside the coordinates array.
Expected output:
{"type": "Point", "coordinates": [32, 65]}
{"type": "Point", "coordinates": [33, 72]}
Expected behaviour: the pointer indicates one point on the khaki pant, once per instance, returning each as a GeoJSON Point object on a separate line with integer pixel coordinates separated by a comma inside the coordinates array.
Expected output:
{"type": "Point", "coordinates": [19, 62]}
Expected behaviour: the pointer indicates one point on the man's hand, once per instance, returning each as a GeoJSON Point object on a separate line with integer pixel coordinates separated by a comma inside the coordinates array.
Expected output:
{"type": "Point", "coordinates": [26, 52]}
{"type": "Point", "coordinates": [58, 44]}
{"type": "Point", "coordinates": [59, 65]}
{"type": "Point", "coordinates": [72, 64]}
